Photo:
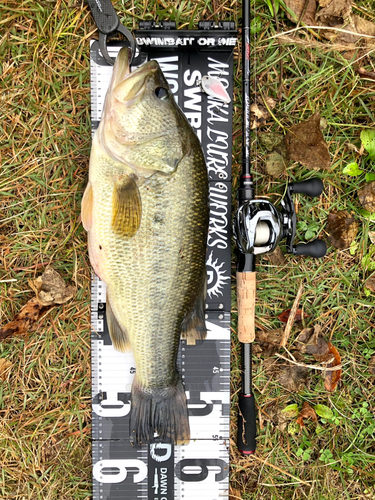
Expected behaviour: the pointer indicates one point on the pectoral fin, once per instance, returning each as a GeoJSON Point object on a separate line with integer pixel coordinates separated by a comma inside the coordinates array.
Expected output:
{"type": "Point", "coordinates": [194, 325]}
{"type": "Point", "coordinates": [126, 207]}
{"type": "Point", "coordinates": [86, 207]}
{"type": "Point", "coordinates": [119, 336]}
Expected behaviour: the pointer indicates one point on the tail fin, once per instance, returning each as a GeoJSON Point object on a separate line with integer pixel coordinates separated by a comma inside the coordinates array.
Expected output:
{"type": "Point", "coordinates": [163, 411]}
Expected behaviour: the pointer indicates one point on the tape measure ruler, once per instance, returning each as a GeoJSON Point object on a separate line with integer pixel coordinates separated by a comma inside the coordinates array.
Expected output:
{"type": "Point", "coordinates": [199, 469]}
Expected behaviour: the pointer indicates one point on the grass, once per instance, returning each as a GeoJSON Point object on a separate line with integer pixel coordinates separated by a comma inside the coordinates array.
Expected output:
{"type": "Point", "coordinates": [44, 150]}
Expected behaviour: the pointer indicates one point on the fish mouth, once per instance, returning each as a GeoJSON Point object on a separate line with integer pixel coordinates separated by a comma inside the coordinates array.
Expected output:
{"type": "Point", "coordinates": [129, 85]}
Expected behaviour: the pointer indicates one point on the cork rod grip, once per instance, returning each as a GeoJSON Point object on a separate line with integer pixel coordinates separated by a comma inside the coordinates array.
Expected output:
{"type": "Point", "coordinates": [246, 286]}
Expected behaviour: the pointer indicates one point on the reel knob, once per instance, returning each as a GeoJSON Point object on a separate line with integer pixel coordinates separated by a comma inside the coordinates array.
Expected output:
{"type": "Point", "coordinates": [312, 187]}
{"type": "Point", "coordinates": [315, 248]}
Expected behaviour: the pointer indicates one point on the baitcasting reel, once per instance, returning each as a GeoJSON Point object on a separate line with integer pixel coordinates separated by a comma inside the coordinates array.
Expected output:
{"type": "Point", "coordinates": [258, 226]}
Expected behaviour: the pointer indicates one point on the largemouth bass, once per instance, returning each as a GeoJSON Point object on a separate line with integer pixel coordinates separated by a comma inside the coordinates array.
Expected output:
{"type": "Point", "coordinates": [145, 209]}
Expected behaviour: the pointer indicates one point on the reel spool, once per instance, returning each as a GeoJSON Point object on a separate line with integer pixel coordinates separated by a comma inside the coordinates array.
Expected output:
{"type": "Point", "coordinates": [259, 226]}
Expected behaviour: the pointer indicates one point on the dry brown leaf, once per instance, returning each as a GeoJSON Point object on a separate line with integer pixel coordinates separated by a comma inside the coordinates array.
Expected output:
{"type": "Point", "coordinates": [29, 314]}
{"type": "Point", "coordinates": [277, 257]}
{"type": "Point", "coordinates": [306, 144]}
{"type": "Point", "coordinates": [306, 15]}
{"type": "Point", "coordinates": [332, 378]}
{"type": "Point", "coordinates": [293, 378]}
{"type": "Point", "coordinates": [274, 413]}
{"type": "Point", "coordinates": [307, 339]}
{"type": "Point", "coordinates": [284, 316]}
{"type": "Point", "coordinates": [50, 289]}
{"type": "Point", "coordinates": [363, 26]}
{"type": "Point", "coordinates": [366, 196]}
{"type": "Point", "coordinates": [319, 349]}
{"type": "Point", "coordinates": [269, 341]}
{"type": "Point", "coordinates": [347, 28]}
{"type": "Point", "coordinates": [370, 283]}
{"type": "Point", "coordinates": [306, 412]}
{"type": "Point", "coordinates": [5, 367]}
{"type": "Point", "coordinates": [342, 229]}
{"type": "Point", "coordinates": [333, 11]}
{"type": "Point", "coordinates": [270, 336]}
{"type": "Point", "coordinates": [324, 351]}
{"type": "Point", "coordinates": [259, 113]}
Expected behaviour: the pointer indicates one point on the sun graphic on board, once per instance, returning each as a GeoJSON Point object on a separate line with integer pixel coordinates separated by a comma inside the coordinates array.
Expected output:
{"type": "Point", "coordinates": [215, 277]}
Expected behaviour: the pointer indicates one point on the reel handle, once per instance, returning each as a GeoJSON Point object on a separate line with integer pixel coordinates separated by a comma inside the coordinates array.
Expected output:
{"type": "Point", "coordinates": [246, 424]}
{"type": "Point", "coordinates": [312, 187]}
{"type": "Point", "coordinates": [315, 248]}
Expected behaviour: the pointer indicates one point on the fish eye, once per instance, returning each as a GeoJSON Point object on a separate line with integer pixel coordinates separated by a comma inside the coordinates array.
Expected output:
{"type": "Point", "coordinates": [161, 93]}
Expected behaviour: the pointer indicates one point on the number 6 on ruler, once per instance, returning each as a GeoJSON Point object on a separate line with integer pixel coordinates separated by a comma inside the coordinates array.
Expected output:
{"type": "Point", "coordinates": [116, 471]}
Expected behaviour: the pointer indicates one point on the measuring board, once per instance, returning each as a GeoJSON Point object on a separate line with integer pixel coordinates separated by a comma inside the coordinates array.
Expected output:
{"type": "Point", "coordinates": [200, 469]}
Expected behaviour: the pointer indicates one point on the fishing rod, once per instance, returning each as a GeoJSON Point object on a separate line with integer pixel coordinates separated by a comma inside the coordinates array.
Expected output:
{"type": "Point", "coordinates": [258, 227]}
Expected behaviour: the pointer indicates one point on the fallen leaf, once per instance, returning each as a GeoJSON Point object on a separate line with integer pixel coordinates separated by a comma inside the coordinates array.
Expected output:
{"type": "Point", "coordinates": [366, 197]}
{"type": "Point", "coordinates": [259, 113]}
{"type": "Point", "coordinates": [276, 257]}
{"type": "Point", "coordinates": [347, 28]}
{"type": "Point", "coordinates": [306, 412]}
{"type": "Point", "coordinates": [333, 11]}
{"type": "Point", "coordinates": [50, 288]}
{"type": "Point", "coordinates": [256, 349]}
{"type": "Point", "coordinates": [368, 141]}
{"type": "Point", "coordinates": [320, 350]}
{"type": "Point", "coordinates": [370, 283]}
{"type": "Point", "coordinates": [323, 411]}
{"type": "Point", "coordinates": [270, 336]}
{"type": "Point", "coordinates": [363, 26]}
{"type": "Point", "coordinates": [332, 378]}
{"type": "Point", "coordinates": [290, 411]}
{"type": "Point", "coordinates": [293, 378]}
{"type": "Point", "coordinates": [269, 341]}
{"type": "Point", "coordinates": [284, 316]}
{"type": "Point", "coordinates": [371, 235]}
{"type": "Point", "coordinates": [306, 15]}
{"type": "Point", "coordinates": [305, 144]}
{"type": "Point", "coordinates": [29, 314]}
{"type": "Point", "coordinates": [324, 351]}
{"type": "Point", "coordinates": [342, 229]}
{"type": "Point", "coordinates": [307, 339]}
{"type": "Point", "coordinates": [277, 416]}
{"type": "Point", "coordinates": [5, 367]}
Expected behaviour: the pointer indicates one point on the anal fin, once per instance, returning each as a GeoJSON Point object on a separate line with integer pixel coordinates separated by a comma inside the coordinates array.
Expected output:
{"type": "Point", "coordinates": [194, 325]}
{"type": "Point", "coordinates": [119, 336]}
